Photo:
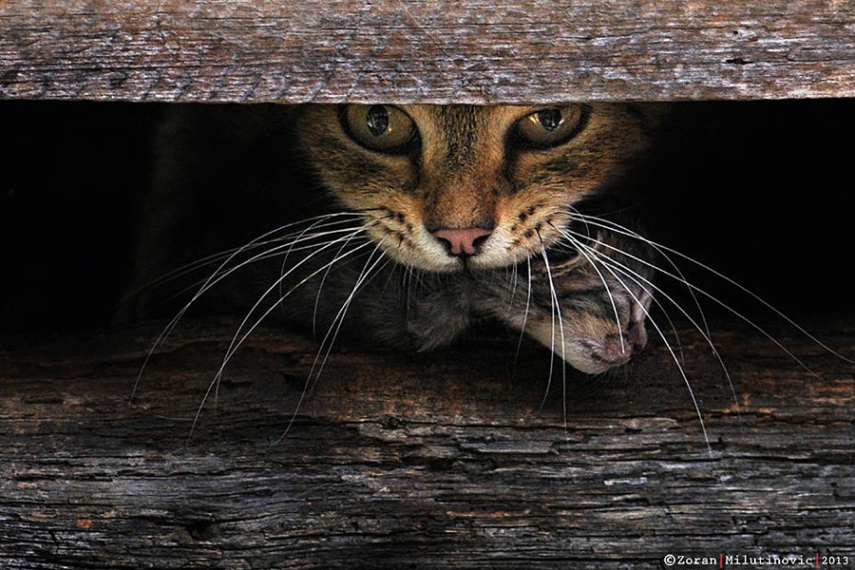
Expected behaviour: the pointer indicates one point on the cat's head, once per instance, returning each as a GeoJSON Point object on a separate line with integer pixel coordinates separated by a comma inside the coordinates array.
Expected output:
{"type": "Point", "coordinates": [445, 187]}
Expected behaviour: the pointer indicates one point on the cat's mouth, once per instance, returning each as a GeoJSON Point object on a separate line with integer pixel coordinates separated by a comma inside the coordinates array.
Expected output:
{"type": "Point", "coordinates": [555, 259]}
{"type": "Point", "coordinates": [567, 253]}
{"type": "Point", "coordinates": [579, 237]}
{"type": "Point", "coordinates": [576, 244]}
{"type": "Point", "coordinates": [542, 242]}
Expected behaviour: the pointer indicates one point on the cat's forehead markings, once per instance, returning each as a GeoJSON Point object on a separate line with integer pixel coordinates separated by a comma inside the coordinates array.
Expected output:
{"type": "Point", "coordinates": [458, 135]}
{"type": "Point", "coordinates": [461, 126]}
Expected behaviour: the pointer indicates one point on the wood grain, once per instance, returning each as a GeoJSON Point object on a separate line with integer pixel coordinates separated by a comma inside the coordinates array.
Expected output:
{"type": "Point", "coordinates": [425, 51]}
{"type": "Point", "coordinates": [451, 459]}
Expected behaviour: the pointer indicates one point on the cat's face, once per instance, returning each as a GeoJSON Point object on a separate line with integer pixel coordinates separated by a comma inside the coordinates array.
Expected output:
{"type": "Point", "coordinates": [487, 187]}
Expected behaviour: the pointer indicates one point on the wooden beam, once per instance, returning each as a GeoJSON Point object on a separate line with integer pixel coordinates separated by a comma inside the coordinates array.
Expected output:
{"type": "Point", "coordinates": [426, 51]}
{"type": "Point", "coordinates": [450, 459]}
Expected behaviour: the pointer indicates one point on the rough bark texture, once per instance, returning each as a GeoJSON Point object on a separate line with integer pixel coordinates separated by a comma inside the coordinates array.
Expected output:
{"type": "Point", "coordinates": [425, 51]}
{"type": "Point", "coordinates": [443, 460]}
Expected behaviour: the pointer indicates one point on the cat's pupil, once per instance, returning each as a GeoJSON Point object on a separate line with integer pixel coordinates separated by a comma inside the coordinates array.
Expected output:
{"type": "Point", "coordinates": [549, 119]}
{"type": "Point", "coordinates": [377, 120]}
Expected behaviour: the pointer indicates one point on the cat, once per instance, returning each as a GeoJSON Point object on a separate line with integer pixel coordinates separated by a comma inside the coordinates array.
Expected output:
{"type": "Point", "coordinates": [402, 225]}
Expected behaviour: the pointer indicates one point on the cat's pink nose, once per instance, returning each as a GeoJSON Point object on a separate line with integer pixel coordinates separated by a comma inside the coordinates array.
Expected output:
{"type": "Point", "coordinates": [463, 242]}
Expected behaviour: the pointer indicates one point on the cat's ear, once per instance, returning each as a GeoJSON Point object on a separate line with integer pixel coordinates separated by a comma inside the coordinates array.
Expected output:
{"type": "Point", "coordinates": [653, 115]}
{"type": "Point", "coordinates": [291, 112]}
{"type": "Point", "coordinates": [648, 119]}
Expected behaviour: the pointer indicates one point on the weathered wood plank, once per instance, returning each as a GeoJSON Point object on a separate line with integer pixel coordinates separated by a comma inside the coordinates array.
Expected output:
{"type": "Point", "coordinates": [425, 51]}
{"type": "Point", "coordinates": [442, 460]}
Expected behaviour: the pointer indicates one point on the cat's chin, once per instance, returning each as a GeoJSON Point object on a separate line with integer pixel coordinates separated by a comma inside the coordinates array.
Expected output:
{"type": "Point", "coordinates": [430, 263]}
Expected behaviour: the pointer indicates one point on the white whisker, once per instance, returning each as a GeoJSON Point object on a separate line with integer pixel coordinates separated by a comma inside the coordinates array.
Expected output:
{"type": "Point", "coordinates": [525, 313]}
{"type": "Point", "coordinates": [659, 247]}
{"type": "Point", "coordinates": [556, 310]}
{"type": "Point", "coordinates": [650, 287]}
{"type": "Point", "coordinates": [661, 334]}
{"type": "Point", "coordinates": [203, 285]}
{"type": "Point", "coordinates": [589, 220]}
{"type": "Point", "coordinates": [218, 275]}
{"type": "Point", "coordinates": [236, 342]}
{"type": "Point", "coordinates": [333, 331]}
{"type": "Point", "coordinates": [604, 282]}
{"type": "Point", "coordinates": [257, 242]}
{"type": "Point", "coordinates": [321, 285]}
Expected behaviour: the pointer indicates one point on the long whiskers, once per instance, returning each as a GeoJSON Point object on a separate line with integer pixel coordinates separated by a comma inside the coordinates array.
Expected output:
{"type": "Point", "coordinates": [649, 287]}
{"type": "Point", "coordinates": [525, 313]}
{"type": "Point", "coordinates": [589, 221]}
{"type": "Point", "coordinates": [238, 339]}
{"type": "Point", "coordinates": [555, 311]}
{"type": "Point", "coordinates": [611, 226]}
{"type": "Point", "coordinates": [308, 243]}
{"type": "Point", "coordinates": [260, 241]}
{"type": "Point", "coordinates": [613, 268]}
{"type": "Point", "coordinates": [322, 283]}
{"type": "Point", "coordinates": [221, 273]}
{"type": "Point", "coordinates": [369, 269]}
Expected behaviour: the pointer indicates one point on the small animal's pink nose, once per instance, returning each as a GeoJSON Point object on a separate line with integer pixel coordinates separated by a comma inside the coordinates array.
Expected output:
{"type": "Point", "coordinates": [463, 242]}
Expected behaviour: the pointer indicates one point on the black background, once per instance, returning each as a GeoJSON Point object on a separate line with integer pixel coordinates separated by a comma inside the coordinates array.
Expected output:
{"type": "Point", "coordinates": [761, 191]}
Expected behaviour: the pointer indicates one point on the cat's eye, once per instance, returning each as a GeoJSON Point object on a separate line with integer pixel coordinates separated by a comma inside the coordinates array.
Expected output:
{"type": "Point", "coordinates": [552, 126]}
{"type": "Point", "coordinates": [383, 128]}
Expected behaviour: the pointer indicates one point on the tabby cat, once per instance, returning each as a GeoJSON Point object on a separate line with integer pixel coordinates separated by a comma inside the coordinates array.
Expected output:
{"type": "Point", "coordinates": [402, 225]}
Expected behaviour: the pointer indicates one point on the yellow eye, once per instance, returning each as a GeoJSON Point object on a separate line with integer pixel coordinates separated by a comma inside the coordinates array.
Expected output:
{"type": "Point", "coordinates": [553, 126]}
{"type": "Point", "coordinates": [379, 127]}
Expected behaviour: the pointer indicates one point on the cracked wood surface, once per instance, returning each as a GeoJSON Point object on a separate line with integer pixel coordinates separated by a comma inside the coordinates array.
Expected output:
{"type": "Point", "coordinates": [451, 459]}
{"type": "Point", "coordinates": [425, 51]}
